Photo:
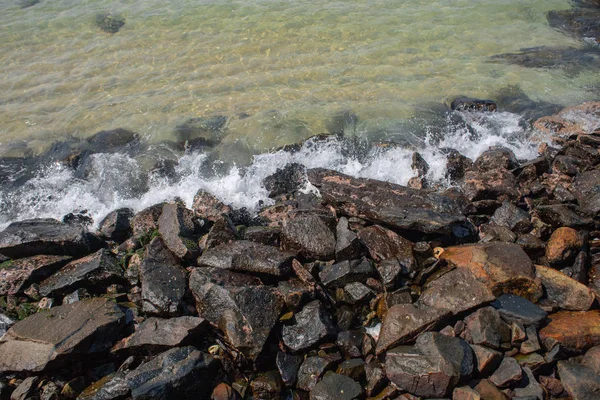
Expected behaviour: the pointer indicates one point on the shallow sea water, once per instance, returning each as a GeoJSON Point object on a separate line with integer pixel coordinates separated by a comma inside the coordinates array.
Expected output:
{"type": "Point", "coordinates": [279, 71]}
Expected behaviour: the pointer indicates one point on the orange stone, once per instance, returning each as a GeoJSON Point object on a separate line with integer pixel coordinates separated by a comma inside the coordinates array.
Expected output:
{"type": "Point", "coordinates": [563, 244]}
{"type": "Point", "coordinates": [573, 330]}
{"type": "Point", "coordinates": [503, 267]}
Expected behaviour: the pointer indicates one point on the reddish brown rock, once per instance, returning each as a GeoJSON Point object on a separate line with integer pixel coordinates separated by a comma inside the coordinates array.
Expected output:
{"type": "Point", "coordinates": [572, 329]}
{"type": "Point", "coordinates": [494, 184]}
{"type": "Point", "coordinates": [565, 291]}
{"type": "Point", "coordinates": [385, 244]}
{"type": "Point", "coordinates": [503, 267]}
{"type": "Point", "coordinates": [208, 206]}
{"type": "Point", "coordinates": [17, 275]}
{"type": "Point", "coordinates": [563, 246]}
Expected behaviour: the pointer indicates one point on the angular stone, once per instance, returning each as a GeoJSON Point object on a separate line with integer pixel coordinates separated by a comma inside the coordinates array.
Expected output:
{"type": "Point", "coordinates": [390, 272]}
{"type": "Point", "coordinates": [489, 391]}
{"type": "Point", "coordinates": [295, 293]}
{"type": "Point", "coordinates": [176, 227]}
{"type": "Point", "coordinates": [146, 220]}
{"type": "Point", "coordinates": [267, 235]}
{"type": "Point", "coordinates": [531, 244]}
{"type": "Point", "coordinates": [579, 330]}
{"type": "Point", "coordinates": [507, 373]}
{"type": "Point", "coordinates": [336, 387]}
{"type": "Point", "coordinates": [518, 309]}
{"type": "Point", "coordinates": [452, 354]}
{"type": "Point", "coordinates": [503, 267]}
{"type": "Point", "coordinates": [94, 272]}
{"type": "Point", "coordinates": [495, 185]}
{"type": "Point", "coordinates": [566, 292]}
{"type": "Point", "coordinates": [492, 233]}
{"type": "Point", "coordinates": [156, 335]}
{"type": "Point", "coordinates": [288, 366]}
{"type": "Point", "coordinates": [404, 322]}
{"type": "Point", "coordinates": [51, 339]}
{"type": "Point", "coordinates": [311, 235]}
{"type": "Point", "coordinates": [388, 204]}
{"type": "Point", "coordinates": [532, 344]}
{"type": "Point", "coordinates": [113, 386]}
{"type": "Point", "coordinates": [357, 292]}
{"type": "Point", "coordinates": [487, 328]}
{"type": "Point", "coordinates": [532, 360]}
{"type": "Point", "coordinates": [563, 246]}
{"type": "Point", "coordinates": [496, 158]}
{"type": "Point", "coordinates": [347, 245]}
{"type": "Point", "coordinates": [246, 256]}
{"type": "Point", "coordinates": [591, 359]}
{"type": "Point", "coordinates": [563, 215]}
{"type": "Point", "coordinates": [342, 273]}
{"type": "Point", "coordinates": [353, 368]}
{"type": "Point", "coordinates": [418, 374]}
{"type": "Point", "coordinates": [182, 372]}
{"type": "Point", "coordinates": [45, 236]}
{"type": "Point", "coordinates": [580, 382]}
{"type": "Point", "coordinates": [456, 291]}
{"type": "Point", "coordinates": [239, 305]}
{"type": "Point", "coordinates": [350, 343]}
{"type": "Point", "coordinates": [486, 360]}
{"type": "Point", "coordinates": [18, 275]}
{"type": "Point", "coordinates": [312, 325]}
{"type": "Point", "coordinates": [163, 280]}
{"type": "Point", "coordinates": [311, 370]}
{"type": "Point", "coordinates": [384, 244]}
{"type": "Point", "coordinates": [587, 189]}
{"type": "Point", "coordinates": [532, 388]}
{"type": "Point", "coordinates": [267, 386]}
{"type": "Point", "coordinates": [465, 393]}
{"type": "Point", "coordinates": [116, 225]}
{"type": "Point", "coordinates": [208, 206]}
{"type": "Point", "coordinates": [26, 389]}
{"type": "Point", "coordinates": [512, 217]}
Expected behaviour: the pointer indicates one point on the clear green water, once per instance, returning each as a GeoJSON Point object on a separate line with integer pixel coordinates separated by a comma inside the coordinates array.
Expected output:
{"type": "Point", "coordinates": [289, 65]}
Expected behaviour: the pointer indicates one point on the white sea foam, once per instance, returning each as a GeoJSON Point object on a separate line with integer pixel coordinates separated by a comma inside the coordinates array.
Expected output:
{"type": "Point", "coordinates": [115, 179]}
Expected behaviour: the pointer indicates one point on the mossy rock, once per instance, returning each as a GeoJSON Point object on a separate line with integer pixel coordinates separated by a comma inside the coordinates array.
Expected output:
{"type": "Point", "coordinates": [109, 22]}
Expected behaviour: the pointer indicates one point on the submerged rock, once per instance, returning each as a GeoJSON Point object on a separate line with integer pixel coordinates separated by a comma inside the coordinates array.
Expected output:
{"type": "Point", "coordinates": [65, 334]}
{"type": "Point", "coordinates": [469, 104]}
{"type": "Point", "coordinates": [286, 180]}
{"type": "Point", "coordinates": [109, 23]}
{"type": "Point", "coordinates": [392, 205]}
{"type": "Point", "coordinates": [45, 236]}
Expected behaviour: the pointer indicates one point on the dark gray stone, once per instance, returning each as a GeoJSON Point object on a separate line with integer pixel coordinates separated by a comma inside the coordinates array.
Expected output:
{"type": "Point", "coordinates": [347, 245]}
{"type": "Point", "coordinates": [486, 360]}
{"type": "Point", "coordinates": [62, 335]}
{"type": "Point", "coordinates": [470, 104]}
{"type": "Point", "coordinates": [518, 309]}
{"type": "Point", "coordinates": [288, 366]}
{"type": "Point", "coordinates": [496, 158]}
{"type": "Point", "coordinates": [111, 387]}
{"type": "Point", "coordinates": [507, 373]}
{"type": "Point", "coordinates": [336, 387]}
{"type": "Point", "coordinates": [357, 292]}
{"type": "Point", "coordinates": [267, 235]}
{"type": "Point", "coordinates": [580, 382]}
{"type": "Point", "coordinates": [487, 328]}
{"type": "Point", "coordinates": [163, 280]}
{"type": "Point", "coordinates": [182, 373]}
{"type": "Point", "coordinates": [512, 217]}
{"type": "Point", "coordinates": [45, 236]}
{"type": "Point", "coordinates": [156, 335]}
{"type": "Point", "coordinates": [94, 272]}
{"type": "Point", "coordinates": [239, 305]}
{"type": "Point", "coordinates": [350, 343]}
{"type": "Point", "coordinates": [342, 273]}
{"type": "Point", "coordinates": [110, 23]}
{"type": "Point", "coordinates": [311, 370]}
{"type": "Point", "coordinates": [286, 180]}
{"type": "Point", "coordinates": [246, 256]}
{"type": "Point", "coordinates": [116, 225]}
{"type": "Point", "coordinates": [312, 325]}
{"type": "Point", "coordinates": [311, 235]}
{"type": "Point", "coordinates": [453, 355]}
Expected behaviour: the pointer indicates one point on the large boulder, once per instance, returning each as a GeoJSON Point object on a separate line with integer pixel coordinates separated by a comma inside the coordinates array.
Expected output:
{"type": "Point", "coordinates": [503, 267]}
{"type": "Point", "coordinates": [163, 280]}
{"type": "Point", "coordinates": [181, 373]}
{"type": "Point", "coordinates": [57, 337]}
{"type": "Point", "coordinates": [116, 225]}
{"type": "Point", "coordinates": [239, 305]}
{"type": "Point", "coordinates": [18, 275]}
{"type": "Point", "coordinates": [564, 290]}
{"type": "Point", "coordinates": [247, 256]}
{"type": "Point", "coordinates": [45, 236]}
{"type": "Point", "coordinates": [392, 205]}
{"type": "Point", "coordinates": [94, 273]}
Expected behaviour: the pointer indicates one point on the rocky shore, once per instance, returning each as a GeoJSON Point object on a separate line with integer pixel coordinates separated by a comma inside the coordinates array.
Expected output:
{"type": "Point", "coordinates": [346, 288]}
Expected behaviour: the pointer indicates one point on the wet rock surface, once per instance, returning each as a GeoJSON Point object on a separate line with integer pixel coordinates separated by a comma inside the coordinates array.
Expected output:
{"type": "Point", "coordinates": [486, 290]}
